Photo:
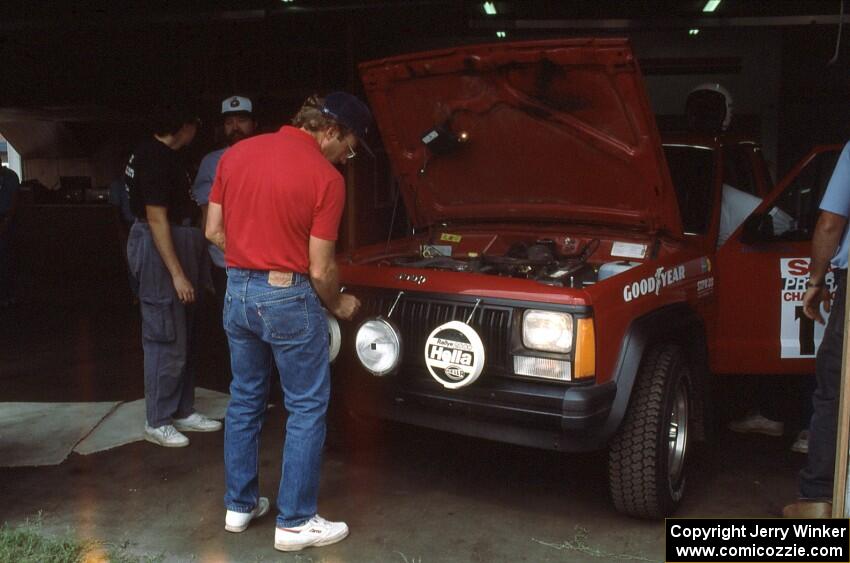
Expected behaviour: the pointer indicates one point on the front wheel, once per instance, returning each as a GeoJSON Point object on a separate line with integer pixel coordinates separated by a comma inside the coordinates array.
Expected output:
{"type": "Point", "coordinates": [647, 457]}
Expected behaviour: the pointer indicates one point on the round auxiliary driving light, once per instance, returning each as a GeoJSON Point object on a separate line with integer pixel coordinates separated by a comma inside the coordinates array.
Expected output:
{"type": "Point", "coordinates": [334, 336]}
{"type": "Point", "coordinates": [454, 355]}
{"type": "Point", "coordinates": [378, 346]}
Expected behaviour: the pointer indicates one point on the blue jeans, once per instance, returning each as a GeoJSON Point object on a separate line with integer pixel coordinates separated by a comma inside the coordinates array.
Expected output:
{"type": "Point", "coordinates": [816, 479]}
{"type": "Point", "coordinates": [287, 325]}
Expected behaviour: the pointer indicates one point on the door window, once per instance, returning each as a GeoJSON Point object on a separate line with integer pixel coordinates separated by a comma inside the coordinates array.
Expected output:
{"type": "Point", "coordinates": [801, 199]}
{"type": "Point", "coordinates": [738, 170]}
{"type": "Point", "coordinates": [692, 172]}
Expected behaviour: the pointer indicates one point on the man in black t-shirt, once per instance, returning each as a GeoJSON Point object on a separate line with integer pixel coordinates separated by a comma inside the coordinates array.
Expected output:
{"type": "Point", "coordinates": [168, 257]}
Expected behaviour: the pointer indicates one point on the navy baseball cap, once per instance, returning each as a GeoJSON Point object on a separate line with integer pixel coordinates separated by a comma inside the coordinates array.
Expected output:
{"type": "Point", "coordinates": [349, 111]}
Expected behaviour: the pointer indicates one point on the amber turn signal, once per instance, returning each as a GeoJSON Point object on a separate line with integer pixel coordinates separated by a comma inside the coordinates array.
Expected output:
{"type": "Point", "coordinates": [585, 353]}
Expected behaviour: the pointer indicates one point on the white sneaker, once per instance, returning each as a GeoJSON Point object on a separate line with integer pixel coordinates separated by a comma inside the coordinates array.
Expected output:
{"type": "Point", "coordinates": [166, 435]}
{"type": "Point", "coordinates": [801, 444]}
{"type": "Point", "coordinates": [238, 521]}
{"type": "Point", "coordinates": [316, 531]}
{"type": "Point", "coordinates": [196, 422]}
{"type": "Point", "coordinates": [757, 424]}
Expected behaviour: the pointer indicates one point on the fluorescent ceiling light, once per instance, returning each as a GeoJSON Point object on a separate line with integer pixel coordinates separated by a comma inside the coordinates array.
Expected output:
{"type": "Point", "coordinates": [711, 5]}
{"type": "Point", "coordinates": [490, 8]}
{"type": "Point", "coordinates": [501, 34]}
{"type": "Point", "coordinates": [693, 32]}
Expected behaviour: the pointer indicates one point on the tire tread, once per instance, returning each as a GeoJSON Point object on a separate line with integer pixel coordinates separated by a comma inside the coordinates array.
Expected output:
{"type": "Point", "coordinates": [633, 457]}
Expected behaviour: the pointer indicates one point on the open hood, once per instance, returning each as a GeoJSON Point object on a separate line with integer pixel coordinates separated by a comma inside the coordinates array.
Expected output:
{"type": "Point", "coordinates": [557, 130]}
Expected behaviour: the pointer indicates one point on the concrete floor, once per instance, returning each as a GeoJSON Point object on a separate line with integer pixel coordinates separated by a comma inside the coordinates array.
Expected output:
{"type": "Point", "coordinates": [408, 494]}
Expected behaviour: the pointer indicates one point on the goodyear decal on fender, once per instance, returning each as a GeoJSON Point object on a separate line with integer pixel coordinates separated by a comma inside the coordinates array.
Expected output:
{"type": "Point", "coordinates": [654, 284]}
{"type": "Point", "coordinates": [799, 335]}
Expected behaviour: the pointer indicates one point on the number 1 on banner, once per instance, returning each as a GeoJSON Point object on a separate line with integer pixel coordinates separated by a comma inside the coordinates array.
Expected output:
{"type": "Point", "coordinates": [807, 332]}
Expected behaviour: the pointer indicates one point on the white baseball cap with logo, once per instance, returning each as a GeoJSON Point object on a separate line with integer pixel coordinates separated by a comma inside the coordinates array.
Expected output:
{"type": "Point", "coordinates": [236, 104]}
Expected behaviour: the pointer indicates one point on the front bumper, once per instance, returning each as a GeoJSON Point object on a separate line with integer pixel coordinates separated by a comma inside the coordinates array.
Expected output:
{"type": "Point", "coordinates": [530, 413]}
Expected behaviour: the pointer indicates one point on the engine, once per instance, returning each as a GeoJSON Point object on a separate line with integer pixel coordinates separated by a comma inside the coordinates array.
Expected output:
{"type": "Point", "coordinates": [538, 261]}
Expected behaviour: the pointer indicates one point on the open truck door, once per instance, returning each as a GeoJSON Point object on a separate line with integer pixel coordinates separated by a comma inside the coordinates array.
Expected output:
{"type": "Point", "coordinates": [761, 275]}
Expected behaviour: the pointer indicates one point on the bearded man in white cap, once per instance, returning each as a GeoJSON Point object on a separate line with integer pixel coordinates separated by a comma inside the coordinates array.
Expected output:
{"type": "Point", "coordinates": [239, 123]}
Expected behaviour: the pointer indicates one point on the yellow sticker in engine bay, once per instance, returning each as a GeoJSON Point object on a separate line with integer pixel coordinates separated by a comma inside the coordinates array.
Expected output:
{"type": "Point", "coordinates": [446, 237]}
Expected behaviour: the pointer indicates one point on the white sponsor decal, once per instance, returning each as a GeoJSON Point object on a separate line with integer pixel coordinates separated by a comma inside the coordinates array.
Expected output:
{"type": "Point", "coordinates": [800, 336]}
{"type": "Point", "coordinates": [653, 284]}
{"type": "Point", "coordinates": [705, 287]}
{"type": "Point", "coordinates": [454, 354]}
{"type": "Point", "coordinates": [628, 250]}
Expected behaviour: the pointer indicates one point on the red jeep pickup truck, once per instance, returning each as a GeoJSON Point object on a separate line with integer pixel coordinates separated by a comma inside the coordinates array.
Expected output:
{"type": "Point", "coordinates": [562, 287]}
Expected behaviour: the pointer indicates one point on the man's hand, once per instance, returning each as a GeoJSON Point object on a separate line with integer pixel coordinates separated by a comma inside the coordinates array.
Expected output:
{"type": "Point", "coordinates": [184, 289]}
{"type": "Point", "coordinates": [157, 217]}
{"type": "Point", "coordinates": [812, 300]}
{"type": "Point", "coordinates": [828, 232]}
{"type": "Point", "coordinates": [346, 307]}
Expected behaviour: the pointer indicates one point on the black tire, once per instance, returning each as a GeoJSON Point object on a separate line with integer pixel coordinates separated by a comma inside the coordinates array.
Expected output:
{"type": "Point", "coordinates": [647, 457]}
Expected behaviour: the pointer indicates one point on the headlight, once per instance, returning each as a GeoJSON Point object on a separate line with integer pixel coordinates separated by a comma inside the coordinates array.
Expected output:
{"type": "Point", "coordinates": [547, 331]}
{"type": "Point", "coordinates": [378, 346]}
{"type": "Point", "coordinates": [334, 336]}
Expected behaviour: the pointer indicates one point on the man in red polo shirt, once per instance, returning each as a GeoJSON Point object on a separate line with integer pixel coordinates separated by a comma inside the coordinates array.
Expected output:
{"type": "Point", "coordinates": [274, 210]}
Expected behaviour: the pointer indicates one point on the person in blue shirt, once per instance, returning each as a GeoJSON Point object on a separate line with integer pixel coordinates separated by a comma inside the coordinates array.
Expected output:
{"type": "Point", "coordinates": [120, 201]}
{"type": "Point", "coordinates": [830, 246]}
{"type": "Point", "coordinates": [9, 198]}
{"type": "Point", "coordinates": [239, 123]}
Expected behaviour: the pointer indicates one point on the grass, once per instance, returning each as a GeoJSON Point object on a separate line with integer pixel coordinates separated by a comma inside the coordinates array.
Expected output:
{"type": "Point", "coordinates": [26, 543]}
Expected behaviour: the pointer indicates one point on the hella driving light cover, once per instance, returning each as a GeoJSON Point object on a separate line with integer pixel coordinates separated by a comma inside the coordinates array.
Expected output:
{"type": "Point", "coordinates": [454, 354]}
{"type": "Point", "coordinates": [334, 336]}
{"type": "Point", "coordinates": [378, 346]}
{"type": "Point", "coordinates": [547, 331]}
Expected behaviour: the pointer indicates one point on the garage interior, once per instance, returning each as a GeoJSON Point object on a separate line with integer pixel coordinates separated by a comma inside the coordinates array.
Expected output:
{"type": "Point", "coordinates": [77, 81]}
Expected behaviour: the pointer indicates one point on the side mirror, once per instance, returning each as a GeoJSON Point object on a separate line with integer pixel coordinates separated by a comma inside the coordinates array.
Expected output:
{"type": "Point", "coordinates": [757, 228]}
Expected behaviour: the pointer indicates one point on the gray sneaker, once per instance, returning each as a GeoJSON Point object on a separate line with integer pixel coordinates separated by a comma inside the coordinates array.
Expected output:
{"type": "Point", "coordinates": [801, 444]}
{"type": "Point", "coordinates": [166, 435]}
{"type": "Point", "coordinates": [757, 424]}
{"type": "Point", "coordinates": [196, 422]}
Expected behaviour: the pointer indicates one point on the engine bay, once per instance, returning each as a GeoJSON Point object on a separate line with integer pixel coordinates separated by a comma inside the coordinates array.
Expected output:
{"type": "Point", "coordinates": [560, 261]}
{"type": "Point", "coordinates": [538, 260]}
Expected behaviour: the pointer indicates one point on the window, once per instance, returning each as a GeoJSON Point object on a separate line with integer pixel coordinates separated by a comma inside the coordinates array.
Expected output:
{"type": "Point", "coordinates": [692, 172]}
{"type": "Point", "coordinates": [801, 199]}
{"type": "Point", "coordinates": [738, 170]}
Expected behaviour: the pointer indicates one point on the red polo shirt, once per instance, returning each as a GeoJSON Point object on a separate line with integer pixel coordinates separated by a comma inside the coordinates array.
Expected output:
{"type": "Point", "coordinates": [276, 191]}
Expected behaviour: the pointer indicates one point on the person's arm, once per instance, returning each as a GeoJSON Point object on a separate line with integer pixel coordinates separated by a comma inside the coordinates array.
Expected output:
{"type": "Point", "coordinates": [204, 216]}
{"type": "Point", "coordinates": [325, 277]}
{"type": "Point", "coordinates": [157, 217]}
{"type": "Point", "coordinates": [214, 221]}
{"type": "Point", "coordinates": [827, 237]}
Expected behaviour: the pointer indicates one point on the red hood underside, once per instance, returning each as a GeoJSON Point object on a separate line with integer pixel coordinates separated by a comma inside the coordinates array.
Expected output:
{"type": "Point", "coordinates": [557, 131]}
